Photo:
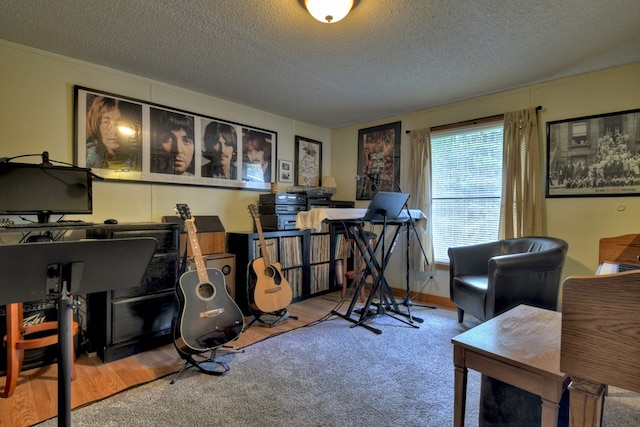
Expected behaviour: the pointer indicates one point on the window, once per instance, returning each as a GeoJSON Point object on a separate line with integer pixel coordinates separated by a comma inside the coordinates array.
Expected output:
{"type": "Point", "coordinates": [578, 133]}
{"type": "Point", "coordinates": [466, 185]}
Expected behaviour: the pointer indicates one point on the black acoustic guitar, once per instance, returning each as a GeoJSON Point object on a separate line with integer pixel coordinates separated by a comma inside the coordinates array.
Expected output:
{"type": "Point", "coordinates": [208, 317]}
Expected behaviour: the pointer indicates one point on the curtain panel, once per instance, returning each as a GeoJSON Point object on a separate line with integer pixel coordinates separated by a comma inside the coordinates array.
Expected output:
{"type": "Point", "coordinates": [521, 208]}
{"type": "Point", "coordinates": [420, 190]}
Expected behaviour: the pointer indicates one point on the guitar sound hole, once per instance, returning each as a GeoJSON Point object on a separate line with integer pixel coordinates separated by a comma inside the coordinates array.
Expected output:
{"type": "Point", "coordinates": [206, 290]}
{"type": "Point", "coordinates": [272, 274]}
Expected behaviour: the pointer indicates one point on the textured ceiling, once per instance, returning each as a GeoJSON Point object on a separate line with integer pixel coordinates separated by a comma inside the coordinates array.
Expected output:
{"type": "Point", "coordinates": [386, 58]}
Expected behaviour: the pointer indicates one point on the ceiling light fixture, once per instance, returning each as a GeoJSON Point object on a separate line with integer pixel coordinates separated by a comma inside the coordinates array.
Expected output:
{"type": "Point", "coordinates": [329, 11]}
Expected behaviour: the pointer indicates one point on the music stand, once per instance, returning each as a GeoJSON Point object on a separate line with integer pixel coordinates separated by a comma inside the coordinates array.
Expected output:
{"type": "Point", "coordinates": [410, 224]}
{"type": "Point", "coordinates": [385, 206]}
{"type": "Point", "coordinates": [55, 270]}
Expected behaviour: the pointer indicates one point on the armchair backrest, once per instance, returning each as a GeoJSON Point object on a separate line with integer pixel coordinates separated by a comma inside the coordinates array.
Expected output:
{"type": "Point", "coordinates": [530, 272]}
{"type": "Point", "coordinates": [531, 244]}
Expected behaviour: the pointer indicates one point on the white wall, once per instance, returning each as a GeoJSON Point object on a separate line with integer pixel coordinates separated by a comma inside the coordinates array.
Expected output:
{"type": "Point", "coordinates": [579, 221]}
{"type": "Point", "coordinates": [36, 115]}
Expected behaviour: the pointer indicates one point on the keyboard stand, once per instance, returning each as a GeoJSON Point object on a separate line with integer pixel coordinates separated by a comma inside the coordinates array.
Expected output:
{"type": "Point", "coordinates": [375, 269]}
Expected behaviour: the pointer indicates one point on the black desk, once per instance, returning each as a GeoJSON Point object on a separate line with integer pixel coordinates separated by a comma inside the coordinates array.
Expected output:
{"type": "Point", "coordinates": [56, 230]}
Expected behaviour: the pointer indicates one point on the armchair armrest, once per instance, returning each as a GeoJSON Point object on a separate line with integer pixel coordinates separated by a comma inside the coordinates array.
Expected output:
{"type": "Point", "coordinates": [472, 259]}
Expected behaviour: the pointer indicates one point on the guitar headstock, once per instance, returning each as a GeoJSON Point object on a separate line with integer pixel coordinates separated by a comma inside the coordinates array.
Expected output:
{"type": "Point", "coordinates": [253, 210]}
{"type": "Point", "coordinates": [183, 210]}
{"type": "Point", "coordinates": [185, 213]}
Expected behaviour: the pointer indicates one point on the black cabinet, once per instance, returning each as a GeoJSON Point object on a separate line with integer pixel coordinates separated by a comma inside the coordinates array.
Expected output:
{"type": "Point", "coordinates": [326, 258]}
{"type": "Point", "coordinates": [311, 262]}
{"type": "Point", "coordinates": [289, 248]}
{"type": "Point", "coordinates": [137, 318]}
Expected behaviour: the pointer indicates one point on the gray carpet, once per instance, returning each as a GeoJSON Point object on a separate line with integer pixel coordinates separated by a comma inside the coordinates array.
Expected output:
{"type": "Point", "coordinates": [327, 374]}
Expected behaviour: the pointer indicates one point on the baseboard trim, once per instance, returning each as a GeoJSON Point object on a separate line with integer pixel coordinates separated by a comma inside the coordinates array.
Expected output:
{"type": "Point", "coordinates": [438, 300]}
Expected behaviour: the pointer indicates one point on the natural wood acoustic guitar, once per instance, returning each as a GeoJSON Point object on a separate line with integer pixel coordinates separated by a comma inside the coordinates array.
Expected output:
{"type": "Point", "coordinates": [270, 291]}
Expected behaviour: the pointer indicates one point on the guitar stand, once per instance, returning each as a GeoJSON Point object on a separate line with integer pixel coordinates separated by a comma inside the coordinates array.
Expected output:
{"type": "Point", "coordinates": [219, 368]}
{"type": "Point", "coordinates": [280, 317]}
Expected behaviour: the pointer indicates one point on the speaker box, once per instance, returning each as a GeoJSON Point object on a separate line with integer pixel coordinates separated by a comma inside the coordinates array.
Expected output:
{"type": "Point", "coordinates": [227, 264]}
{"type": "Point", "coordinates": [209, 232]}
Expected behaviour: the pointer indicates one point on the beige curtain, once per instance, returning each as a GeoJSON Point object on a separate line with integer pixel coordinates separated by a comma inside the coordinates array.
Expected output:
{"type": "Point", "coordinates": [521, 210]}
{"type": "Point", "coordinates": [420, 190]}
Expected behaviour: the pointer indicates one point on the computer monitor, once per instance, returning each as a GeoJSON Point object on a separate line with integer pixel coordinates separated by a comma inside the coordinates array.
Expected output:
{"type": "Point", "coordinates": [31, 189]}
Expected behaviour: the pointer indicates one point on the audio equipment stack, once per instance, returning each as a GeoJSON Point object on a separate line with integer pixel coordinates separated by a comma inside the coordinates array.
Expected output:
{"type": "Point", "coordinates": [278, 210]}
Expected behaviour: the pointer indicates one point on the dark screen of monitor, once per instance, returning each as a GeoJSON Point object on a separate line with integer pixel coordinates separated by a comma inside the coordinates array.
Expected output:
{"type": "Point", "coordinates": [34, 189]}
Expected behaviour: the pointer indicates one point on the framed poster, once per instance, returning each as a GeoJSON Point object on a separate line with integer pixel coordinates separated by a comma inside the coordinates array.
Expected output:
{"type": "Point", "coordinates": [594, 155]}
{"type": "Point", "coordinates": [308, 160]}
{"type": "Point", "coordinates": [378, 160]}
{"type": "Point", "coordinates": [125, 139]}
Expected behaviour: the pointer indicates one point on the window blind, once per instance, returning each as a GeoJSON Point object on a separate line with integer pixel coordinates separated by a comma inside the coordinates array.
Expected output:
{"type": "Point", "coordinates": [466, 185]}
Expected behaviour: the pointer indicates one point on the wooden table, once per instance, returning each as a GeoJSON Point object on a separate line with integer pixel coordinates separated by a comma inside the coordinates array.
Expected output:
{"type": "Point", "coordinates": [520, 347]}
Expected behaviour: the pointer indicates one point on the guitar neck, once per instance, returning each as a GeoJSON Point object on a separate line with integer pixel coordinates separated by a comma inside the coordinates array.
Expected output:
{"type": "Point", "coordinates": [201, 268]}
{"type": "Point", "coordinates": [263, 244]}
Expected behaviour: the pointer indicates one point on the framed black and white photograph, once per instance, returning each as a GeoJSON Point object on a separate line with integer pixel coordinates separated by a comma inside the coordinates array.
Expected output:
{"type": "Point", "coordinates": [594, 156]}
{"type": "Point", "coordinates": [285, 171]}
{"type": "Point", "coordinates": [378, 160]}
{"type": "Point", "coordinates": [308, 158]}
{"type": "Point", "coordinates": [125, 139]}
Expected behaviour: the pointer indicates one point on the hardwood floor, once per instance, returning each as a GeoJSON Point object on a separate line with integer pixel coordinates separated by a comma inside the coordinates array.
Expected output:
{"type": "Point", "coordinates": [35, 398]}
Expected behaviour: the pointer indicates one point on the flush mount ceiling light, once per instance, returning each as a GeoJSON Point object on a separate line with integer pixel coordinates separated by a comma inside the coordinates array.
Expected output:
{"type": "Point", "coordinates": [329, 11]}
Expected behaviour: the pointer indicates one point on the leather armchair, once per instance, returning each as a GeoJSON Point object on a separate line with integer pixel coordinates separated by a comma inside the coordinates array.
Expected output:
{"type": "Point", "coordinates": [490, 278]}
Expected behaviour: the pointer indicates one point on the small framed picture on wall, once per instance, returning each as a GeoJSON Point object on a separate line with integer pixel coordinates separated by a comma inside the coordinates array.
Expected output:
{"type": "Point", "coordinates": [285, 169]}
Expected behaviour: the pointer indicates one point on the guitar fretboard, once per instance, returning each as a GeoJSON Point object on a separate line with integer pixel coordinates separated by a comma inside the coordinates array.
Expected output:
{"type": "Point", "coordinates": [263, 245]}
{"type": "Point", "coordinates": [201, 268]}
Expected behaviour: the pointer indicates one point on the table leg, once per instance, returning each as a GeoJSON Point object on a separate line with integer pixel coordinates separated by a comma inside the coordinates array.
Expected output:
{"type": "Point", "coordinates": [585, 402]}
{"type": "Point", "coordinates": [459, 386]}
{"type": "Point", "coordinates": [551, 396]}
{"type": "Point", "coordinates": [549, 416]}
